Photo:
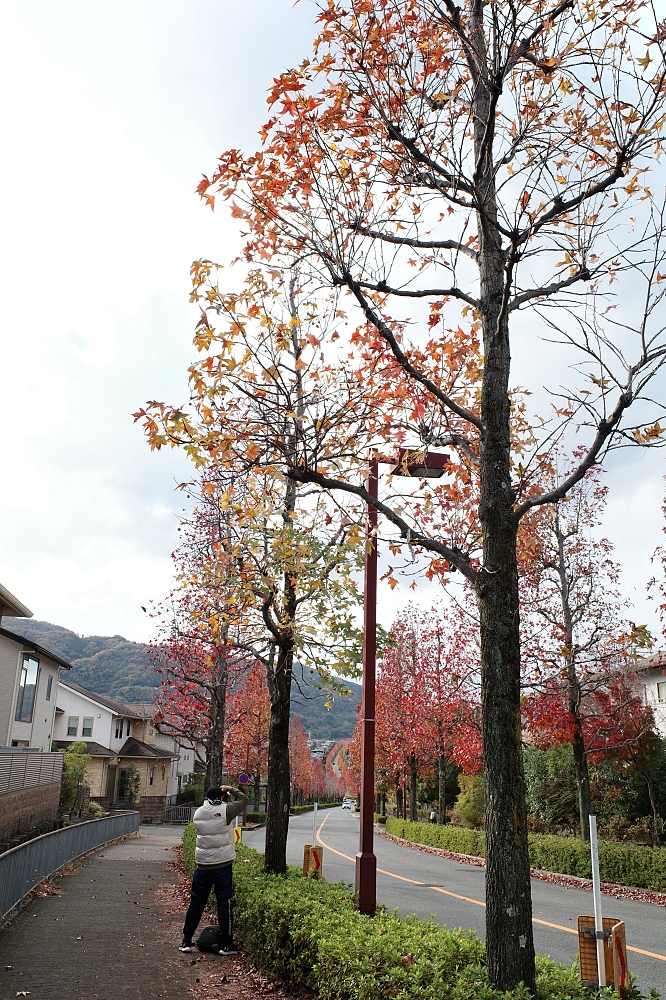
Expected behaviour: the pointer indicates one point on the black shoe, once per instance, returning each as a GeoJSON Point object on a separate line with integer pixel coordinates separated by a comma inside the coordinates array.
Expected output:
{"type": "Point", "coordinates": [228, 948]}
{"type": "Point", "coordinates": [186, 945]}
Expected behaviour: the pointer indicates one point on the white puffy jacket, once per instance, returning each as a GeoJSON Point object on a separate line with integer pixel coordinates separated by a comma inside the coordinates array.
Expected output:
{"type": "Point", "coordinates": [215, 837]}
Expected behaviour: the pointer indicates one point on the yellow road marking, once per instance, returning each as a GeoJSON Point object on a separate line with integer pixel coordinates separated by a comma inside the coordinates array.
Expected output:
{"type": "Point", "coordinates": [467, 899]}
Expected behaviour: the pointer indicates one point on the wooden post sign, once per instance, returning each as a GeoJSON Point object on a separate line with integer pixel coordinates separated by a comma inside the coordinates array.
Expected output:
{"type": "Point", "coordinates": [615, 953]}
{"type": "Point", "coordinates": [312, 861]}
{"type": "Point", "coordinates": [306, 860]}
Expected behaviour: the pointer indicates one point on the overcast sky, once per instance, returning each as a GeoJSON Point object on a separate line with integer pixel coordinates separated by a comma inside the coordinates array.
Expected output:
{"type": "Point", "coordinates": [111, 113]}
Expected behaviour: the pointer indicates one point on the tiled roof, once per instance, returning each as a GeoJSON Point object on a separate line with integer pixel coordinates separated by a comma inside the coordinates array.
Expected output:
{"type": "Point", "coordinates": [135, 748]}
{"type": "Point", "coordinates": [115, 706]}
{"type": "Point", "coordinates": [94, 749]}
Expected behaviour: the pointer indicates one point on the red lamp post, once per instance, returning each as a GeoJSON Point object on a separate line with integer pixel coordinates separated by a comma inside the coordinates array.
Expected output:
{"type": "Point", "coordinates": [424, 465]}
{"type": "Point", "coordinates": [366, 862]}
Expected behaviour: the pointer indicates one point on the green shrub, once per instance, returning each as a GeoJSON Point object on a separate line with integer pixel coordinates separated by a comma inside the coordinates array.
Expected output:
{"type": "Point", "coordinates": [95, 809]}
{"type": "Point", "coordinates": [297, 810]}
{"type": "Point", "coordinates": [621, 864]}
{"type": "Point", "coordinates": [380, 818]}
{"type": "Point", "coordinates": [308, 934]}
{"type": "Point", "coordinates": [255, 817]}
{"type": "Point", "coordinates": [468, 810]}
{"type": "Point", "coordinates": [75, 762]}
{"type": "Point", "coordinates": [449, 838]}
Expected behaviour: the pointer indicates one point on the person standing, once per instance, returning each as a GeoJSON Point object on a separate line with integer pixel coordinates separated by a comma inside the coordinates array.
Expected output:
{"type": "Point", "coordinates": [214, 855]}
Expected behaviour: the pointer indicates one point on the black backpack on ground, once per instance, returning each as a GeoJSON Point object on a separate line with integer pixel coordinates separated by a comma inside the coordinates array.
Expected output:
{"type": "Point", "coordinates": [210, 939]}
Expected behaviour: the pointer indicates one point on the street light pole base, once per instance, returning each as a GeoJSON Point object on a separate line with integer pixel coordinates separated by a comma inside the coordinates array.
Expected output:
{"type": "Point", "coordinates": [366, 882]}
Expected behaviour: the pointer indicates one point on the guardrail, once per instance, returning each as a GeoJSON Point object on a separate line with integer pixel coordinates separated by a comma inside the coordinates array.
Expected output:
{"type": "Point", "coordinates": [25, 866]}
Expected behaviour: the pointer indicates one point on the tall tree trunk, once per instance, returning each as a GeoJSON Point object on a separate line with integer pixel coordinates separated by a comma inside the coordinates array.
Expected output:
{"type": "Point", "coordinates": [257, 791]}
{"type": "Point", "coordinates": [278, 779]}
{"type": "Point", "coordinates": [653, 802]}
{"type": "Point", "coordinates": [413, 776]}
{"type": "Point", "coordinates": [398, 801]}
{"type": "Point", "coordinates": [279, 675]}
{"type": "Point", "coordinates": [582, 782]}
{"type": "Point", "coordinates": [218, 704]}
{"type": "Point", "coordinates": [441, 805]}
{"type": "Point", "coordinates": [509, 939]}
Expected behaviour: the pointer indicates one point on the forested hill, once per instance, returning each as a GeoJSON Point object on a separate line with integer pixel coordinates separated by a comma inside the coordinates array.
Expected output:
{"type": "Point", "coordinates": [120, 669]}
{"type": "Point", "coordinates": [322, 723]}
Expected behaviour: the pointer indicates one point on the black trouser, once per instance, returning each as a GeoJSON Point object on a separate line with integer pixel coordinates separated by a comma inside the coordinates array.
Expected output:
{"type": "Point", "coordinates": [204, 880]}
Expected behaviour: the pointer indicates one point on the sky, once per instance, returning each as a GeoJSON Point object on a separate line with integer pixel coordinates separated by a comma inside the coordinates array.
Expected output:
{"type": "Point", "coordinates": [111, 114]}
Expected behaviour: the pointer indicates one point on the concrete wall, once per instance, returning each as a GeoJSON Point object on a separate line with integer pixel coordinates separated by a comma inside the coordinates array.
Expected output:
{"type": "Point", "coordinates": [31, 810]}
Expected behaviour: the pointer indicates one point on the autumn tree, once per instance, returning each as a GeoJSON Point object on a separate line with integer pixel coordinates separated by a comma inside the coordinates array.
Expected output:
{"type": "Point", "coordinates": [194, 649]}
{"type": "Point", "coordinates": [300, 761]}
{"type": "Point", "coordinates": [578, 643]}
{"type": "Point", "coordinates": [450, 674]}
{"type": "Point", "coordinates": [261, 367]}
{"type": "Point", "coordinates": [336, 768]}
{"type": "Point", "coordinates": [248, 729]}
{"type": "Point", "coordinates": [493, 146]}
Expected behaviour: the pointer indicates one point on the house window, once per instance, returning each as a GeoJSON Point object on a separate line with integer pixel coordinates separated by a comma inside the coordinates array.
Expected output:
{"type": "Point", "coordinates": [128, 728]}
{"type": "Point", "coordinates": [49, 685]}
{"type": "Point", "coordinates": [27, 687]}
{"type": "Point", "coordinates": [661, 691]}
{"type": "Point", "coordinates": [87, 727]}
{"type": "Point", "coordinates": [119, 728]}
{"type": "Point", "coordinates": [152, 775]}
{"type": "Point", "coordinates": [73, 725]}
{"type": "Point", "coordinates": [163, 772]}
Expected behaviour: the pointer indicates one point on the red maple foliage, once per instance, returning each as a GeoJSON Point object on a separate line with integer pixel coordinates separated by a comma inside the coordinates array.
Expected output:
{"type": "Point", "coordinates": [248, 721]}
{"type": "Point", "coordinates": [578, 645]}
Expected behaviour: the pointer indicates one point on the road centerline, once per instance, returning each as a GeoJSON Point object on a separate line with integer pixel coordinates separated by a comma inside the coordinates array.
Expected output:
{"type": "Point", "coordinates": [468, 899]}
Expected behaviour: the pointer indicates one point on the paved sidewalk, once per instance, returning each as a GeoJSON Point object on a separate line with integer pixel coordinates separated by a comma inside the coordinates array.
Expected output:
{"type": "Point", "coordinates": [108, 935]}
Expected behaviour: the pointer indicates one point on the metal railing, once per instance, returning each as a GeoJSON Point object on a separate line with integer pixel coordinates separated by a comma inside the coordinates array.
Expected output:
{"type": "Point", "coordinates": [179, 814]}
{"type": "Point", "coordinates": [25, 866]}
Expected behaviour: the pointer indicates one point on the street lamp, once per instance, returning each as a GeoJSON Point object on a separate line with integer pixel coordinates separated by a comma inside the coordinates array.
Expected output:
{"type": "Point", "coordinates": [423, 465]}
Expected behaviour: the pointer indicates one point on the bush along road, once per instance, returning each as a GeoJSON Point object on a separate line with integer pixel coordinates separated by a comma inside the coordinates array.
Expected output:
{"type": "Point", "coordinates": [308, 934]}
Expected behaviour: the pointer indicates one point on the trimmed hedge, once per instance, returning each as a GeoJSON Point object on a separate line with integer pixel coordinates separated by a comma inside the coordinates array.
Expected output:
{"type": "Point", "coordinates": [621, 864]}
{"type": "Point", "coordinates": [297, 810]}
{"type": "Point", "coordinates": [308, 934]}
{"type": "Point", "coordinates": [448, 838]}
{"type": "Point", "coordinates": [255, 817]}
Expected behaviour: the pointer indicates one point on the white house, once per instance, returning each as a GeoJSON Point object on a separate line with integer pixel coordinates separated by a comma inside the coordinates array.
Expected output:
{"type": "Point", "coordinates": [84, 715]}
{"type": "Point", "coordinates": [28, 683]}
{"type": "Point", "coordinates": [651, 672]}
{"type": "Point", "coordinates": [29, 773]}
{"type": "Point", "coordinates": [117, 736]}
{"type": "Point", "coordinates": [187, 762]}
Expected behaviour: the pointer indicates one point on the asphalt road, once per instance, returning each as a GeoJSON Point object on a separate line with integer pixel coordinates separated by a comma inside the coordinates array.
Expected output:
{"type": "Point", "coordinates": [414, 882]}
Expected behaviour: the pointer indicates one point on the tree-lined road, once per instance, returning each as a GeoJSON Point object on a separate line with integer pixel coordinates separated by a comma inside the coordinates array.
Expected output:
{"type": "Point", "coordinates": [415, 882]}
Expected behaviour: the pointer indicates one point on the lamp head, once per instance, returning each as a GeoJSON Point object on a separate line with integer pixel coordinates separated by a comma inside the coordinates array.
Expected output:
{"type": "Point", "coordinates": [420, 464]}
